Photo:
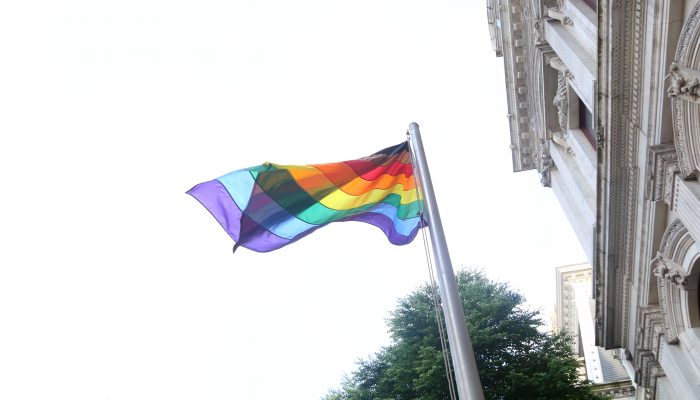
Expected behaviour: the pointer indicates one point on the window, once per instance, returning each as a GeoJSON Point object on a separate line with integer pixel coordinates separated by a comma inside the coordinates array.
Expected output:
{"type": "Point", "coordinates": [585, 123]}
{"type": "Point", "coordinates": [592, 4]}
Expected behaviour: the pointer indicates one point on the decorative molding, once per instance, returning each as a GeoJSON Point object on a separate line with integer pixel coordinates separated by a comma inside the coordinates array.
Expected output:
{"type": "Point", "coordinates": [671, 278]}
{"type": "Point", "coordinates": [530, 85]}
{"type": "Point", "coordinates": [507, 24]}
{"type": "Point", "coordinates": [684, 83]}
{"type": "Point", "coordinates": [546, 165]}
{"type": "Point", "coordinates": [676, 242]}
{"type": "Point", "coordinates": [648, 340]}
{"type": "Point", "coordinates": [620, 100]}
{"type": "Point", "coordinates": [600, 137]}
{"type": "Point", "coordinates": [555, 13]}
{"type": "Point", "coordinates": [667, 270]}
{"type": "Point", "coordinates": [492, 11]}
{"type": "Point", "coordinates": [632, 97]}
{"type": "Point", "coordinates": [686, 204]}
{"type": "Point", "coordinates": [567, 278]}
{"type": "Point", "coordinates": [537, 54]}
{"type": "Point", "coordinates": [663, 166]}
{"type": "Point", "coordinates": [684, 90]}
{"type": "Point", "coordinates": [649, 330]}
{"type": "Point", "coordinates": [560, 138]}
{"type": "Point", "coordinates": [538, 31]}
{"type": "Point", "coordinates": [558, 64]}
{"type": "Point", "coordinates": [615, 390]}
{"type": "Point", "coordinates": [561, 103]}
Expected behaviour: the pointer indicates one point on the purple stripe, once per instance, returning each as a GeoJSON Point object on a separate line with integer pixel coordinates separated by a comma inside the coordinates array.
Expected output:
{"type": "Point", "coordinates": [249, 234]}
{"type": "Point", "coordinates": [385, 223]}
{"type": "Point", "coordinates": [215, 198]}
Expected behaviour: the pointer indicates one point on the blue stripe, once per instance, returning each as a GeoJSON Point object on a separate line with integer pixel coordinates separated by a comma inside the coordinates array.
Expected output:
{"type": "Point", "coordinates": [279, 221]}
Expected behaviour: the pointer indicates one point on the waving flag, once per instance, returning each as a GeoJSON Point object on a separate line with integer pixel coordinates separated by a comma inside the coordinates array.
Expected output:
{"type": "Point", "coordinates": [269, 206]}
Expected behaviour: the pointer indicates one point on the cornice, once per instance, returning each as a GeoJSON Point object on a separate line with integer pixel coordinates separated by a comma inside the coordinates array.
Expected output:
{"type": "Point", "coordinates": [509, 13]}
{"type": "Point", "coordinates": [526, 57]}
{"type": "Point", "coordinates": [617, 182]}
{"type": "Point", "coordinates": [615, 389]}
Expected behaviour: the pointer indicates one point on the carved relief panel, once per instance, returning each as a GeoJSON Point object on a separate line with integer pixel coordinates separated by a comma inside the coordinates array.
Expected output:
{"type": "Point", "coordinates": [683, 88]}
{"type": "Point", "coordinates": [674, 281]}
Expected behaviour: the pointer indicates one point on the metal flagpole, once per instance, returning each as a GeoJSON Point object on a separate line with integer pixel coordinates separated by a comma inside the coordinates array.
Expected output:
{"type": "Point", "coordinates": [466, 374]}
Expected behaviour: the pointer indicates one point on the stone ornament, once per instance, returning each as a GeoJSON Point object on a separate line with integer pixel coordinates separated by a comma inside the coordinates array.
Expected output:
{"type": "Point", "coordinates": [684, 83]}
{"type": "Point", "coordinates": [672, 274]}
{"type": "Point", "coordinates": [555, 13]}
{"type": "Point", "coordinates": [671, 277]}
{"type": "Point", "coordinates": [538, 30]}
{"type": "Point", "coordinates": [662, 168]}
{"type": "Point", "coordinates": [546, 166]}
{"type": "Point", "coordinates": [684, 91]}
{"type": "Point", "coordinates": [561, 103]}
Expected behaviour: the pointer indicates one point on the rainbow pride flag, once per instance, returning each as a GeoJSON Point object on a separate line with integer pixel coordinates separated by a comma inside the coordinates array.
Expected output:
{"type": "Point", "coordinates": [270, 206]}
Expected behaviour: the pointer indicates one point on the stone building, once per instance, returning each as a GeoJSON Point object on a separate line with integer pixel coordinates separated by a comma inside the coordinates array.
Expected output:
{"type": "Point", "coordinates": [575, 314]}
{"type": "Point", "coordinates": [604, 102]}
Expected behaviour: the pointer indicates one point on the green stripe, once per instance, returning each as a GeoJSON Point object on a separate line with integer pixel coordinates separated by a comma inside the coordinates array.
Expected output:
{"type": "Point", "coordinates": [283, 189]}
{"type": "Point", "coordinates": [319, 214]}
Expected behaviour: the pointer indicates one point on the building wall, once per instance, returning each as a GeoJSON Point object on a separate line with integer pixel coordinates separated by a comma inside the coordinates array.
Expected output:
{"type": "Point", "coordinates": [574, 314]}
{"type": "Point", "coordinates": [626, 172]}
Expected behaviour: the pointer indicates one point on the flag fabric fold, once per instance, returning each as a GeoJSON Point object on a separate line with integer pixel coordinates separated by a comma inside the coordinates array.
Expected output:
{"type": "Point", "coordinates": [270, 206]}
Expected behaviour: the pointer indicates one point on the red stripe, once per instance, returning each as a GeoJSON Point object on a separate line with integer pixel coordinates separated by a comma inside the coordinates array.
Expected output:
{"type": "Point", "coordinates": [394, 169]}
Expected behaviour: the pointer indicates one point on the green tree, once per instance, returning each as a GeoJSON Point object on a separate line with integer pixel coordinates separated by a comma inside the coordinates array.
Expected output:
{"type": "Point", "coordinates": [514, 359]}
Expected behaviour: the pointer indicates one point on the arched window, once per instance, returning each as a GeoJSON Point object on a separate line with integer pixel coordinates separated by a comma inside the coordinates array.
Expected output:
{"type": "Point", "coordinates": [677, 269]}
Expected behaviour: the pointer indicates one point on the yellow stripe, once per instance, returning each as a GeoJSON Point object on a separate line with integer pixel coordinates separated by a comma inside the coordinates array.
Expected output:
{"type": "Point", "coordinates": [339, 200]}
{"type": "Point", "coordinates": [359, 186]}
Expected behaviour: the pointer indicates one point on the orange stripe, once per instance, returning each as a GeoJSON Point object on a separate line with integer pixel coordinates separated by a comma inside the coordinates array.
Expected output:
{"type": "Point", "coordinates": [361, 186]}
{"type": "Point", "coordinates": [315, 179]}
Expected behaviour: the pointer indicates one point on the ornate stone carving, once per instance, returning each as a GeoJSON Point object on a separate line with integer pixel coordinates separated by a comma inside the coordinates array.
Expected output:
{"type": "Point", "coordinates": [684, 83]}
{"type": "Point", "coordinates": [555, 13]}
{"type": "Point", "coordinates": [512, 39]}
{"type": "Point", "coordinates": [561, 103]}
{"type": "Point", "coordinates": [667, 311]}
{"type": "Point", "coordinates": [676, 242]}
{"type": "Point", "coordinates": [538, 31]}
{"type": "Point", "coordinates": [650, 329]}
{"type": "Point", "coordinates": [620, 102]}
{"type": "Point", "coordinates": [561, 98]}
{"type": "Point", "coordinates": [651, 371]}
{"type": "Point", "coordinates": [546, 165]}
{"type": "Point", "coordinates": [684, 90]}
{"type": "Point", "coordinates": [560, 138]}
{"type": "Point", "coordinates": [665, 270]}
{"type": "Point", "coordinates": [671, 278]}
{"type": "Point", "coordinates": [600, 137]}
{"type": "Point", "coordinates": [663, 166]}
{"type": "Point", "coordinates": [646, 365]}
{"type": "Point", "coordinates": [558, 64]}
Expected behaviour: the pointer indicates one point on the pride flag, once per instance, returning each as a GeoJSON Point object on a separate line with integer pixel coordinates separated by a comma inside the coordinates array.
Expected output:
{"type": "Point", "coordinates": [270, 206]}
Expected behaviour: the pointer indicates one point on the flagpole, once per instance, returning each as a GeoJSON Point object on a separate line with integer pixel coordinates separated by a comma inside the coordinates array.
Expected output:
{"type": "Point", "coordinates": [466, 374]}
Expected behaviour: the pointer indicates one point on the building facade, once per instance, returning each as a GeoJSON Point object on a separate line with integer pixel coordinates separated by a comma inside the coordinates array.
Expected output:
{"type": "Point", "coordinates": [604, 102]}
{"type": "Point", "coordinates": [575, 314]}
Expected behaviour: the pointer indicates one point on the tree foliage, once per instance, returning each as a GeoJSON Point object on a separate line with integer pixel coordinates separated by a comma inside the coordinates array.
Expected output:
{"type": "Point", "coordinates": [514, 359]}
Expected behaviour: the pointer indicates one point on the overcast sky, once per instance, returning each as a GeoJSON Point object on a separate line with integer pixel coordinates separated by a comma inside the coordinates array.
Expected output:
{"type": "Point", "coordinates": [114, 284]}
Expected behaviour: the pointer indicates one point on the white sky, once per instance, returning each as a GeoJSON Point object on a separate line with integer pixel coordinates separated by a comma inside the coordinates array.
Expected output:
{"type": "Point", "coordinates": [114, 284]}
